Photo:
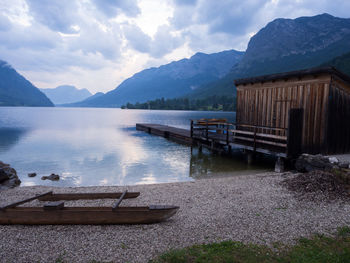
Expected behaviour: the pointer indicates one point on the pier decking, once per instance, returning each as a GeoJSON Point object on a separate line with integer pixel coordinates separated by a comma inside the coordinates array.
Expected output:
{"type": "Point", "coordinates": [171, 133]}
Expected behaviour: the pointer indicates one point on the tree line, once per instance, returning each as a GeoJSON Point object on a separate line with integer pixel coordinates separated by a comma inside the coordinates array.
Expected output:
{"type": "Point", "coordinates": [212, 103]}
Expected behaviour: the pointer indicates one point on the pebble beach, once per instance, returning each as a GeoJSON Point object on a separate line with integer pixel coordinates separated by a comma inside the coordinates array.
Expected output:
{"type": "Point", "coordinates": [249, 208]}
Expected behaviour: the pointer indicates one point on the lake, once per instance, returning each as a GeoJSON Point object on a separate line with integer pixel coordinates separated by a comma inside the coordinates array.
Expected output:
{"type": "Point", "coordinates": [93, 146]}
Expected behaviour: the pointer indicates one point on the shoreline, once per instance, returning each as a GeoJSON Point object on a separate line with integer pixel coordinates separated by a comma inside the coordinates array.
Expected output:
{"type": "Point", "coordinates": [252, 208]}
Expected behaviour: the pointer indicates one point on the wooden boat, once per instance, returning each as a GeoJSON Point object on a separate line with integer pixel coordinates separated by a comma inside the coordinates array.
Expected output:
{"type": "Point", "coordinates": [55, 213]}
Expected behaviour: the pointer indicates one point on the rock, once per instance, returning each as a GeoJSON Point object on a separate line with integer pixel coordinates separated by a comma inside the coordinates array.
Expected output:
{"type": "Point", "coordinates": [31, 174]}
{"type": "Point", "coordinates": [12, 182]}
{"type": "Point", "coordinates": [344, 165]}
{"type": "Point", "coordinates": [3, 175]}
{"type": "Point", "coordinates": [333, 160]}
{"type": "Point", "coordinates": [8, 177]}
{"type": "Point", "coordinates": [309, 163]}
{"type": "Point", "coordinates": [52, 177]}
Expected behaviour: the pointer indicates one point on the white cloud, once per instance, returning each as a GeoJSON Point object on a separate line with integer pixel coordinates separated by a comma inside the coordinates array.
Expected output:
{"type": "Point", "coordinates": [58, 15]}
{"type": "Point", "coordinates": [161, 44]}
{"type": "Point", "coordinates": [94, 39]}
{"type": "Point", "coordinates": [5, 23]}
{"type": "Point", "coordinates": [137, 39]}
{"type": "Point", "coordinates": [113, 8]}
{"type": "Point", "coordinates": [164, 42]}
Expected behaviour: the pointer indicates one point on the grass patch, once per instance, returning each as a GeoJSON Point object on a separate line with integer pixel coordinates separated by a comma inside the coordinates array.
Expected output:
{"type": "Point", "coordinates": [319, 248]}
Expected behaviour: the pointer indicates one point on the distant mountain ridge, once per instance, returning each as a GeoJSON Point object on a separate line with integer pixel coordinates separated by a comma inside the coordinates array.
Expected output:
{"type": "Point", "coordinates": [341, 63]}
{"type": "Point", "coordinates": [15, 90]}
{"type": "Point", "coordinates": [168, 81]}
{"type": "Point", "coordinates": [96, 95]}
{"type": "Point", "coordinates": [301, 42]}
{"type": "Point", "coordinates": [286, 45]}
{"type": "Point", "coordinates": [66, 94]}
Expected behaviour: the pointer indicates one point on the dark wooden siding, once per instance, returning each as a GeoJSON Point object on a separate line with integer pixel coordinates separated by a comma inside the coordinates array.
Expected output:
{"type": "Point", "coordinates": [338, 139]}
{"type": "Point", "coordinates": [268, 104]}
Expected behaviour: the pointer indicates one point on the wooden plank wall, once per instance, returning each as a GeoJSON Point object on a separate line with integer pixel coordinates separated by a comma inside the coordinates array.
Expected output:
{"type": "Point", "coordinates": [268, 104]}
{"type": "Point", "coordinates": [339, 121]}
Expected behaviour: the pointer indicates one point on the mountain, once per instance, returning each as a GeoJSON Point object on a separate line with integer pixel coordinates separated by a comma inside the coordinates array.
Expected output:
{"type": "Point", "coordinates": [66, 94]}
{"type": "Point", "coordinates": [15, 90]}
{"type": "Point", "coordinates": [168, 81]}
{"type": "Point", "coordinates": [96, 95]}
{"type": "Point", "coordinates": [287, 45]}
{"type": "Point", "coordinates": [341, 63]}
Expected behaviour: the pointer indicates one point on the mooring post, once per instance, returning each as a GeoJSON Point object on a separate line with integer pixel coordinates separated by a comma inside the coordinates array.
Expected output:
{"type": "Point", "coordinates": [207, 130]}
{"type": "Point", "coordinates": [229, 149]}
{"type": "Point", "coordinates": [250, 157]}
{"type": "Point", "coordinates": [279, 166]}
{"type": "Point", "coordinates": [200, 147]}
{"type": "Point", "coordinates": [227, 135]}
{"type": "Point", "coordinates": [191, 128]}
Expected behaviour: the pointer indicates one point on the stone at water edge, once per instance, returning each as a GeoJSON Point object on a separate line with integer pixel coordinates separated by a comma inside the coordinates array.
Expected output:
{"type": "Point", "coordinates": [31, 174]}
{"type": "Point", "coordinates": [52, 177]}
{"type": "Point", "coordinates": [309, 163]}
{"type": "Point", "coordinates": [3, 175]}
{"type": "Point", "coordinates": [344, 165]}
{"type": "Point", "coordinates": [333, 160]}
{"type": "Point", "coordinates": [9, 177]}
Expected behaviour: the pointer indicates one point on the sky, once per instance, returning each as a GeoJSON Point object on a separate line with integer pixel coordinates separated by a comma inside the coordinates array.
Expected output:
{"type": "Point", "coordinates": [96, 44]}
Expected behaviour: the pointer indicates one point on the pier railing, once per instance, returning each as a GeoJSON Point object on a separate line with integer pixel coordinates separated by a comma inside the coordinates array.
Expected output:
{"type": "Point", "coordinates": [254, 137]}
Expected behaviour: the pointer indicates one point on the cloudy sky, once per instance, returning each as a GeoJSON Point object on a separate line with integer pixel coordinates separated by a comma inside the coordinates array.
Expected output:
{"type": "Point", "coordinates": [96, 44]}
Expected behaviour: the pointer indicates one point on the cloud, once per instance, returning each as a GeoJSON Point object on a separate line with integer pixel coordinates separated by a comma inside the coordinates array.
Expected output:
{"type": "Point", "coordinates": [161, 44]}
{"type": "Point", "coordinates": [230, 16]}
{"type": "Point", "coordinates": [164, 42]}
{"type": "Point", "coordinates": [58, 15]}
{"type": "Point", "coordinates": [112, 8]}
{"type": "Point", "coordinates": [47, 43]}
{"type": "Point", "coordinates": [137, 39]}
{"type": "Point", "coordinates": [185, 2]}
{"type": "Point", "coordinates": [5, 23]}
{"type": "Point", "coordinates": [183, 17]}
{"type": "Point", "coordinates": [94, 39]}
{"type": "Point", "coordinates": [34, 37]}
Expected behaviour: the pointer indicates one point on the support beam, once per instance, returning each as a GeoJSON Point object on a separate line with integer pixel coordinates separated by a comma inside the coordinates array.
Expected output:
{"type": "Point", "coordinates": [115, 206]}
{"type": "Point", "coordinates": [24, 201]}
{"type": "Point", "coordinates": [250, 157]}
{"type": "Point", "coordinates": [279, 166]}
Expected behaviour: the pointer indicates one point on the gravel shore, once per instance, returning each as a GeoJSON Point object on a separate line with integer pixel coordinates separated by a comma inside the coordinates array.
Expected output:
{"type": "Point", "coordinates": [249, 208]}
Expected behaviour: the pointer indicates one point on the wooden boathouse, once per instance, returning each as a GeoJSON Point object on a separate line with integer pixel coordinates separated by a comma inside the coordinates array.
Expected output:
{"type": "Point", "coordinates": [284, 115]}
{"type": "Point", "coordinates": [312, 104]}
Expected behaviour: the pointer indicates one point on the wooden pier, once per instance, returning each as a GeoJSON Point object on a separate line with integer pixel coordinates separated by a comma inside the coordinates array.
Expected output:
{"type": "Point", "coordinates": [220, 136]}
{"type": "Point", "coordinates": [172, 133]}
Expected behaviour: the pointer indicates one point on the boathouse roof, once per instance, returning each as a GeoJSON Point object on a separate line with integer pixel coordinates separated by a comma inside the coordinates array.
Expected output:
{"type": "Point", "coordinates": [294, 74]}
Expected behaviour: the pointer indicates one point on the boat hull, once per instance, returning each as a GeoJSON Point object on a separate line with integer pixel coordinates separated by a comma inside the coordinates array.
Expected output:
{"type": "Point", "coordinates": [86, 215]}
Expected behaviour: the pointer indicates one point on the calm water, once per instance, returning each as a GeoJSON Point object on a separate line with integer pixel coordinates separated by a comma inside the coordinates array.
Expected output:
{"type": "Point", "coordinates": [102, 147]}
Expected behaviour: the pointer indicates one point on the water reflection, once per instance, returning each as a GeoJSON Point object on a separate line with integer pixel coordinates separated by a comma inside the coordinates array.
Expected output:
{"type": "Point", "coordinates": [9, 137]}
{"type": "Point", "coordinates": [102, 147]}
{"type": "Point", "coordinates": [204, 164]}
